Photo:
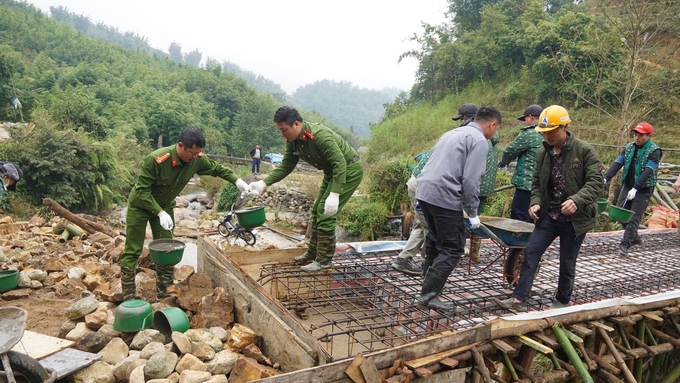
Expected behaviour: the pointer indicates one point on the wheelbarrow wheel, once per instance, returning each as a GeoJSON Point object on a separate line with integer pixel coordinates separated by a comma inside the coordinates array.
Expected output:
{"type": "Point", "coordinates": [513, 266]}
{"type": "Point", "coordinates": [26, 368]}
{"type": "Point", "coordinates": [248, 237]}
{"type": "Point", "coordinates": [223, 230]}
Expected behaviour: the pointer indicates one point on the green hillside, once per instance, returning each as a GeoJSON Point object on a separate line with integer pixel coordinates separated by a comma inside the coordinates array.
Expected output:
{"type": "Point", "coordinates": [100, 107]}
{"type": "Point", "coordinates": [611, 64]}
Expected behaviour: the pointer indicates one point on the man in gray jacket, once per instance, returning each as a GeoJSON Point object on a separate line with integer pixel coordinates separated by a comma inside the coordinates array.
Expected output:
{"type": "Point", "coordinates": [452, 174]}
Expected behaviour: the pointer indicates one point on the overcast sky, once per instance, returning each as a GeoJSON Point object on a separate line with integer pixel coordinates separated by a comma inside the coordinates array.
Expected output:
{"type": "Point", "coordinates": [293, 43]}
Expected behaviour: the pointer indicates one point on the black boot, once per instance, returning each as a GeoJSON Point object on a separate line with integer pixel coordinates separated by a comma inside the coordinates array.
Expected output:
{"type": "Point", "coordinates": [432, 287]}
{"type": "Point", "coordinates": [427, 262]}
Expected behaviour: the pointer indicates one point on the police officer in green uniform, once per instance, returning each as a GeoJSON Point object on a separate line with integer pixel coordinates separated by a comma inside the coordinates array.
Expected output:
{"type": "Point", "coordinates": [325, 150]}
{"type": "Point", "coordinates": [164, 174]}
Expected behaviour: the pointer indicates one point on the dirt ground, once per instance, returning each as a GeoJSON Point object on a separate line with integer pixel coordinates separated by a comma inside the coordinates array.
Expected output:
{"type": "Point", "coordinates": [45, 315]}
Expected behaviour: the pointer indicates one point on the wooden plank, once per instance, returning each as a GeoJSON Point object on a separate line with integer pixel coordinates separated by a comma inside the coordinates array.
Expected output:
{"type": "Point", "coordinates": [535, 345]}
{"type": "Point", "coordinates": [334, 372]}
{"type": "Point", "coordinates": [435, 358]}
{"type": "Point", "coordinates": [552, 343]}
{"type": "Point", "coordinates": [503, 346]}
{"type": "Point", "coordinates": [423, 372]}
{"type": "Point", "coordinates": [252, 257]}
{"type": "Point", "coordinates": [602, 326]}
{"type": "Point", "coordinates": [651, 316]}
{"type": "Point", "coordinates": [581, 331]}
{"type": "Point", "coordinates": [283, 338]}
{"type": "Point", "coordinates": [448, 362]}
{"type": "Point", "coordinates": [353, 370]}
{"type": "Point", "coordinates": [38, 346]}
{"type": "Point", "coordinates": [370, 371]}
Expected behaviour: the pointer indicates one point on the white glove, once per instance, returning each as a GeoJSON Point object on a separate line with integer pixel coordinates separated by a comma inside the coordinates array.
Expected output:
{"type": "Point", "coordinates": [632, 193]}
{"type": "Point", "coordinates": [166, 220]}
{"type": "Point", "coordinates": [605, 179]}
{"type": "Point", "coordinates": [243, 187]}
{"type": "Point", "coordinates": [257, 188]}
{"type": "Point", "coordinates": [474, 222]}
{"type": "Point", "coordinates": [331, 206]}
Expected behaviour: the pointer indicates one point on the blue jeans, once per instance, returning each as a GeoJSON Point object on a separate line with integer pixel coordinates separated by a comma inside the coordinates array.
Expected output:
{"type": "Point", "coordinates": [545, 232]}
{"type": "Point", "coordinates": [256, 163]}
{"type": "Point", "coordinates": [446, 238]}
{"type": "Point", "coordinates": [520, 206]}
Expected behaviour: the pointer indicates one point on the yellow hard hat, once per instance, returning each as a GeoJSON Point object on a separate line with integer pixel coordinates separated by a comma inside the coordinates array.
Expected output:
{"type": "Point", "coordinates": [552, 117]}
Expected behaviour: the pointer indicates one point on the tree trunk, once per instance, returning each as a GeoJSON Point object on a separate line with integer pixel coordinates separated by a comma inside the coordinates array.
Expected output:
{"type": "Point", "coordinates": [87, 225]}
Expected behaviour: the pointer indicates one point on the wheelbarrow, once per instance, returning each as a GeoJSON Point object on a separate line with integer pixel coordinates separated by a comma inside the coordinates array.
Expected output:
{"type": "Point", "coordinates": [15, 364]}
{"type": "Point", "coordinates": [511, 237]}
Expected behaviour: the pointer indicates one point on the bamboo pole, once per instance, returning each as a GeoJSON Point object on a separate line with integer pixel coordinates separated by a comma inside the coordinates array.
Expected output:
{"type": "Point", "coordinates": [64, 236]}
{"type": "Point", "coordinates": [626, 372]}
{"type": "Point", "coordinates": [508, 365]}
{"type": "Point", "coordinates": [672, 376]}
{"type": "Point", "coordinates": [87, 225]}
{"type": "Point", "coordinates": [666, 196]}
{"type": "Point", "coordinates": [658, 197]}
{"type": "Point", "coordinates": [568, 348]}
{"type": "Point", "coordinates": [75, 231]}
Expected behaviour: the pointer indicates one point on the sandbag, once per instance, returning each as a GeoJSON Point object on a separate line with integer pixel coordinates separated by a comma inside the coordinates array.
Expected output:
{"type": "Point", "coordinates": [663, 218]}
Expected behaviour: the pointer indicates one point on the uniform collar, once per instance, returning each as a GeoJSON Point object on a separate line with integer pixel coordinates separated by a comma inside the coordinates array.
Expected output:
{"type": "Point", "coordinates": [174, 158]}
{"type": "Point", "coordinates": [532, 126]}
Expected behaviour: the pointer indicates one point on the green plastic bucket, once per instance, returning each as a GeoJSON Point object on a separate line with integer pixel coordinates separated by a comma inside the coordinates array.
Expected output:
{"type": "Point", "coordinates": [170, 319]}
{"type": "Point", "coordinates": [602, 204]}
{"type": "Point", "coordinates": [620, 214]}
{"type": "Point", "coordinates": [166, 251]}
{"type": "Point", "coordinates": [251, 216]}
{"type": "Point", "coordinates": [9, 279]}
{"type": "Point", "coordinates": [132, 316]}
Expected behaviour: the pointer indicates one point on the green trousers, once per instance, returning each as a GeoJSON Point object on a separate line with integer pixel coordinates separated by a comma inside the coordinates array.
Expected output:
{"type": "Point", "coordinates": [355, 173]}
{"type": "Point", "coordinates": [135, 233]}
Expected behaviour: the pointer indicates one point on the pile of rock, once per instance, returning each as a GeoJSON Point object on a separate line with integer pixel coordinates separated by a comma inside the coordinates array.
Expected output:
{"type": "Point", "coordinates": [215, 350]}
{"type": "Point", "coordinates": [85, 269]}
{"type": "Point", "coordinates": [285, 199]}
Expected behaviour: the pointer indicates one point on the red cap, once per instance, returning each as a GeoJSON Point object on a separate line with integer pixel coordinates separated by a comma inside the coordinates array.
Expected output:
{"type": "Point", "coordinates": [643, 128]}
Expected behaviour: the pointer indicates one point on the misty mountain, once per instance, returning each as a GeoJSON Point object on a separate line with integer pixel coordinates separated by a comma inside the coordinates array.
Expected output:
{"type": "Point", "coordinates": [343, 103]}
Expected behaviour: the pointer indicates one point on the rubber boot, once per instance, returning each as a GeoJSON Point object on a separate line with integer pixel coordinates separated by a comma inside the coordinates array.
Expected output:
{"type": "Point", "coordinates": [127, 282]}
{"type": "Point", "coordinates": [165, 277]}
{"type": "Point", "coordinates": [427, 262]}
{"type": "Point", "coordinates": [475, 246]}
{"type": "Point", "coordinates": [324, 253]}
{"type": "Point", "coordinates": [432, 287]}
{"type": "Point", "coordinates": [310, 254]}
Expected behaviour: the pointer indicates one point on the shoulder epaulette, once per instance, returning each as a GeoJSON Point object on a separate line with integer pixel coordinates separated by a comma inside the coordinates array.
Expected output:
{"type": "Point", "coordinates": [162, 157]}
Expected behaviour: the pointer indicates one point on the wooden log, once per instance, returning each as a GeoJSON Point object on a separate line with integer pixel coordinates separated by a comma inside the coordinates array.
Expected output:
{"type": "Point", "coordinates": [640, 353]}
{"type": "Point", "coordinates": [435, 358]}
{"type": "Point", "coordinates": [607, 377]}
{"type": "Point", "coordinates": [626, 372]}
{"type": "Point", "coordinates": [666, 337]}
{"type": "Point", "coordinates": [87, 225]}
{"type": "Point", "coordinates": [480, 365]}
{"type": "Point", "coordinates": [603, 363]}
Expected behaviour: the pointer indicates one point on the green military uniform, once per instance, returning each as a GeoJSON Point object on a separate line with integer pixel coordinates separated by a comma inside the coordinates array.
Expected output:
{"type": "Point", "coordinates": [325, 150]}
{"type": "Point", "coordinates": [161, 179]}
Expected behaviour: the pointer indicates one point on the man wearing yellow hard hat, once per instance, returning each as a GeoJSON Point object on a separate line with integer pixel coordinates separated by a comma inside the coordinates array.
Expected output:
{"type": "Point", "coordinates": [566, 183]}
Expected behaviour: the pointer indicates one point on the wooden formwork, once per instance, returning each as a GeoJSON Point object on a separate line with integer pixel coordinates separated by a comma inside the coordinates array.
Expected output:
{"type": "Point", "coordinates": [619, 342]}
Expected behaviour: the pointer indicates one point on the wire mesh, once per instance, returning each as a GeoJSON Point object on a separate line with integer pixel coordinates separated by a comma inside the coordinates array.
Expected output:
{"type": "Point", "coordinates": [365, 305]}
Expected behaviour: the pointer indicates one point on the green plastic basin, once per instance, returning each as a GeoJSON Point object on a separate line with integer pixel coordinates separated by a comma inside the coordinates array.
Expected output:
{"type": "Point", "coordinates": [620, 214]}
{"type": "Point", "coordinates": [602, 204]}
{"type": "Point", "coordinates": [170, 319]}
{"type": "Point", "coordinates": [132, 316]}
{"type": "Point", "coordinates": [251, 216]}
{"type": "Point", "coordinates": [166, 251]}
{"type": "Point", "coordinates": [9, 279]}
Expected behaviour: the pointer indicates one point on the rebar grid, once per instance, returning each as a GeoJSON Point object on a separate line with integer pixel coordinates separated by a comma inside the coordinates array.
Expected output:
{"type": "Point", "coordinates": [373, 307]}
